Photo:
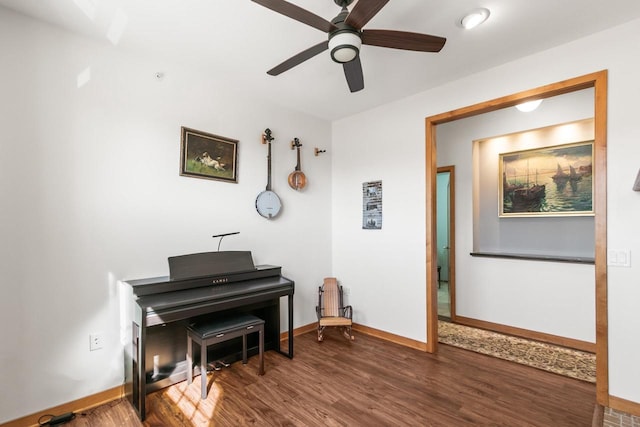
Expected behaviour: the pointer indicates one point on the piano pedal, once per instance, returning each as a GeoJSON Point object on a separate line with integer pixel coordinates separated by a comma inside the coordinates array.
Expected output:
{"type": "Point", "coordinates": [213, 366]}
{"type": "Point", "coordinates": [217, 365]}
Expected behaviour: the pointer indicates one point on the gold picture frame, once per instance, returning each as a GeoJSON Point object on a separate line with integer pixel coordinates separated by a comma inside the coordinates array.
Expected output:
{"type": "Point", "coordinates": [548, 181]}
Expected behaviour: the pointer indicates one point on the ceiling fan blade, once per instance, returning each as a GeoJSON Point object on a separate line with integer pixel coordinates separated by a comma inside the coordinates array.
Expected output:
{"type": "Point", "coordinates": [298, 13]}
{"type": "Point", "coordinates": [363, 11]}
{"type": "Point", "coordinates": [299, 58]}
{"type": "Point", "coordinates": [353, 73]}
{"type": "Point", "coordinates": [403, 40]}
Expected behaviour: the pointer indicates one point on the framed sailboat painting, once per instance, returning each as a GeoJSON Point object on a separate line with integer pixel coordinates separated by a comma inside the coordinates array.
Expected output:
{"type": "Point", "coordinates": [553, 181]}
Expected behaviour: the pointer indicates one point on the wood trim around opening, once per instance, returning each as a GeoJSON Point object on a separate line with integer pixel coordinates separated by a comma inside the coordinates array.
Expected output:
{"type": "Point", "coordinates": [598, 81]}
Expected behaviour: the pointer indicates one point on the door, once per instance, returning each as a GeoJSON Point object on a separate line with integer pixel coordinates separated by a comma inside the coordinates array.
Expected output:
{"type": "Point", "coordinates": [444, 240]}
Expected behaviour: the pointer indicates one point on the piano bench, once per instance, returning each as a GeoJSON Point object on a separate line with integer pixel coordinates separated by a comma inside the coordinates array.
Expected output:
{"type": "Point", "coordinates": [218, 331]}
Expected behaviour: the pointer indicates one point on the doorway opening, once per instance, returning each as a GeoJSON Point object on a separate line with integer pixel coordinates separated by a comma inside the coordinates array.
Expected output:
{"type": "Point", "coordinates": [597, 81]}
{"type": "Point", "coordinates": [445, 219]}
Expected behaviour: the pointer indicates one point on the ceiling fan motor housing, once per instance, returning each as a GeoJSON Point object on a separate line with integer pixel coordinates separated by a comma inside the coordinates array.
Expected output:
{"type": "Point", "coordinates": [343, 3]}
{"type": "Point", "coordinates": [345, 41]}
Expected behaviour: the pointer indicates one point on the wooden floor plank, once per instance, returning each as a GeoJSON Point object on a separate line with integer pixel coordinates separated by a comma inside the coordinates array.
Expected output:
{"type": "Point", "coordinates": [368, 382]}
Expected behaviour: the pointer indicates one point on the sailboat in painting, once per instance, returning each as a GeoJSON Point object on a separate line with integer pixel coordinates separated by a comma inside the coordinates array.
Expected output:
{"type": "Point", "coordinates": [527, 197]}
{"type": "Point", "coordinates": [562, 176]}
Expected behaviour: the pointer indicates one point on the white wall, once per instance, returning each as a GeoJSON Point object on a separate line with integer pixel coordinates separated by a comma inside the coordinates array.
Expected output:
{"type": "Point", "coordinates": [384, 269]}
{"type": "Point", "coordinates": [388, 143]}
{"type": "Point", "coordinates": [91, 195]}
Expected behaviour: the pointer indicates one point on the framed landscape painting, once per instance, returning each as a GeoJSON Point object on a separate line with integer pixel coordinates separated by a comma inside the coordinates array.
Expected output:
{"type": "Point", "coordinates": [208, 156]}
{"type": "Point", "coordinates": [550, 181]}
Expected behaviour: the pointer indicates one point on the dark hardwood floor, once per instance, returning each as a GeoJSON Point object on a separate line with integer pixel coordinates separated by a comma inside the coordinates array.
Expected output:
{"type": "Point", "coordinates": [368, 382]}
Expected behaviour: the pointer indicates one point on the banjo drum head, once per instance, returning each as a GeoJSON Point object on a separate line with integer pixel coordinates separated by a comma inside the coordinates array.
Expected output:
{"type": "Point", "coordinates": [268, 204]}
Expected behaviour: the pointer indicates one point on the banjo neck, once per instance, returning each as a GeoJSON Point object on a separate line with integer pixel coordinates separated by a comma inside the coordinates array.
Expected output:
{"type": "Point", "coordinates": [298, 145]}
{"type": "Point", "coordinates": [269, 166]}
{"type": "Point", "coordinates": [267, 137]}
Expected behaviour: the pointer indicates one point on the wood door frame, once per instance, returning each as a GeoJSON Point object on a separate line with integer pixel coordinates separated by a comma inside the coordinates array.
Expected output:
{"type": "Point", "coordinates": [597, 81]}
{"type": "Point", "coordinates": [452, 240]}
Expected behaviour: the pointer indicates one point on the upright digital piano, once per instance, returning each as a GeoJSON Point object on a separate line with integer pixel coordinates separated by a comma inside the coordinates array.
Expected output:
{"type": "Point", "coordinates": [202, 286]}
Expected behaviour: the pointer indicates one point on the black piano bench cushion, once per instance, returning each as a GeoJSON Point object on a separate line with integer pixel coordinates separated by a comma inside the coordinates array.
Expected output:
{"type": "Point", "coordinates": [224, 325]}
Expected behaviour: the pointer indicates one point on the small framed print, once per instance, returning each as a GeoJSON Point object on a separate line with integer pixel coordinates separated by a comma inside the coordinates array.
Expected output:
{"type": "Point", "coordinates": [372, 205]}
{"type": "Point", "coordinates": [208, 156]}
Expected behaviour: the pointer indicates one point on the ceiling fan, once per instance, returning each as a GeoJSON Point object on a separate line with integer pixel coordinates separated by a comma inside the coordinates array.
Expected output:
{"type": "Point", "coordinates": [346, 36]}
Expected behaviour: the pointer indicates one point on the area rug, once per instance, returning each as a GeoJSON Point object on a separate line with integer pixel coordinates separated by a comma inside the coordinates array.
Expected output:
{"type": "Point", "coordinates": [559, 360]}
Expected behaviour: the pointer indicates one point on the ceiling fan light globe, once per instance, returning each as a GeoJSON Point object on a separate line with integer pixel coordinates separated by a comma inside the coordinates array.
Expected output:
{"type": "Point", "coordinates": [343, 54]}
{"type": "Point", "coordinates": [344, 47]}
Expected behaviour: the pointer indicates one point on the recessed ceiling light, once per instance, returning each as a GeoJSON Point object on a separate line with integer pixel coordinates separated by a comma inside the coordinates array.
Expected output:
{"type": "Point", "coordinates": [527, 107]}
{"type": "Point", "coordinates": [474, 18]}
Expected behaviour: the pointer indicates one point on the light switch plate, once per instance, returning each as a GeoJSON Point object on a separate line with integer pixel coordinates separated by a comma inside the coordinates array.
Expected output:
{"type": "Point", "coordinates": [619, 258]}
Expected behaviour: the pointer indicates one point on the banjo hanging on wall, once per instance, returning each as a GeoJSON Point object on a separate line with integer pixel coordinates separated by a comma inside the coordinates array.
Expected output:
{"type": "Point", "coordinates": [268, 203]}
{"type": "Point", "coordinates": [297, 179]}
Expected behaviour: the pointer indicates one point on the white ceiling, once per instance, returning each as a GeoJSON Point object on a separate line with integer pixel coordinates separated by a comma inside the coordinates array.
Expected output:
{"type": "Point", "coordinates": [239, 40]}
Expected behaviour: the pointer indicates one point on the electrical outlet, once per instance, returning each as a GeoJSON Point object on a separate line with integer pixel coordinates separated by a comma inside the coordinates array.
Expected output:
{"type": "Point", "coordinates": [96, 341]}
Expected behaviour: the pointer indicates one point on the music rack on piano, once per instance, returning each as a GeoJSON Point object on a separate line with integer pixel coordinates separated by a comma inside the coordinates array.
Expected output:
{"type": "Point", "coordinates": [199, 287]}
